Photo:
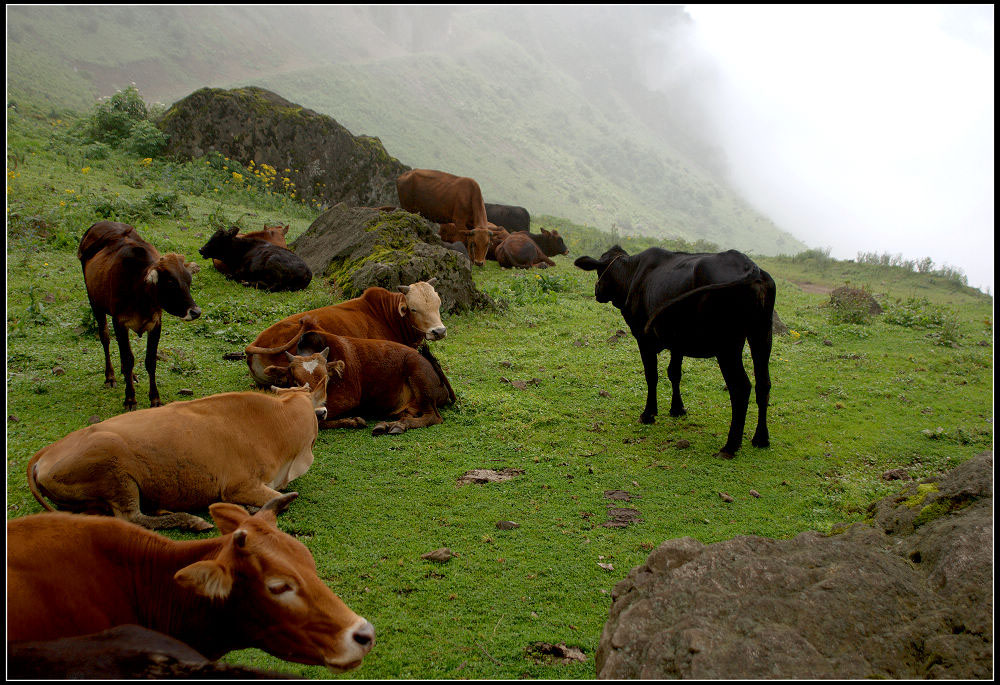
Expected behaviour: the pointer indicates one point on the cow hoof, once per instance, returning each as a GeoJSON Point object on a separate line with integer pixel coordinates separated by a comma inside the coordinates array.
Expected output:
{"type": "Point", "coordinates": [155, 403]}
{"type": "Point", "coordinates": [647, 418]}
{"type": "Point", "coordinates": [379, 429]}
{"type": "Point", "coordinates": [723, 454]}
{"type": "Point", "coordinates": [760, 443]}
{"type": "Point", "coordinates": [110, 383]}
{"type": "Point", "coordinates": [198, 525]}
{"type": "Point", "coordinates": [678, 412]}
{"type": "Point", "coordinates": [130, 405]}
{"type": "Point", "coordinates": [396, 430]}
{"type": "Point", "coordinates": [360, 422]}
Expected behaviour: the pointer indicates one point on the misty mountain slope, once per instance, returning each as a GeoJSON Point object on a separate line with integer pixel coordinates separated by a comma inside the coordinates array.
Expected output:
{"type": "Point", "coordinates": [547, 107]}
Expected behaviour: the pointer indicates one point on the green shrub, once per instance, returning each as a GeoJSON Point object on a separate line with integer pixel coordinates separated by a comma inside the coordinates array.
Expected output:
{"type": "Point", "coordinates": [145, 140]}
{"type": "Point", "coordinates": [915, 312]}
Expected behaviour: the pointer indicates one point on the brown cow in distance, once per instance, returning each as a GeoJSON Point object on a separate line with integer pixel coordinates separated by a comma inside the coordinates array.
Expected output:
{"type": "Point", "coordinates": [271, 234]}
{"type": "Point", "coordinates": [128, 279]}
{"type": "Point", "coordinates": [239, 447]}
{"type": "Point", "coordinates": [442, 197]}
{"type": "Point", "coordinates": [376, 378]}
{"type": "Point", "coordinates": [498, 236]}
{"type": "Point", "coordinates": [520, 251]}
{"type": "Point", "coordinates": [255, 586]}
{"type": "Point", "coordinates": [408, 317]}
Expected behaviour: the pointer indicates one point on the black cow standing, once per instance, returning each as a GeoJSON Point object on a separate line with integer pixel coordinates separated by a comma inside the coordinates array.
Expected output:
{"type": "Point", "coordinates": [511, 217]}
{"type": "Point", "coordinates": [695, 305]}
{"type": "Point", "coordinates": [256, 262]}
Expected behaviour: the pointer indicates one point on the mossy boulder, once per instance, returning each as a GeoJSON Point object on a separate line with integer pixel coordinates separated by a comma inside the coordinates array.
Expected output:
{"type": "Point", "coordinates": [909, 595]}
{"type": "Point", "coordinates": [324, 160]}
{"type": "Point", "coordinates": [360, 247]}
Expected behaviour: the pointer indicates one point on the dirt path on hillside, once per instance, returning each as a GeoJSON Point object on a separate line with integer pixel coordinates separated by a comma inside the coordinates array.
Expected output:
{"type": "Point", "coordinates": [813, 288]}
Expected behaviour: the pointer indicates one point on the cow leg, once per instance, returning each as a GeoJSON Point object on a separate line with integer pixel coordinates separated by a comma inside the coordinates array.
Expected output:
{"type": "Point", "coordinates": [152, 342]}
{"type": "Point", "coordinates": [674, 374]}
{"type": "Point", "coordinates": [350, 422]}
{"type": "Point", "coordinates": [760, 351]}
{"type": "Point", "coordinates": [123, 497]}
{"type": "Point", "coordinates": [648, 353]}
{"type": "Point", "coordinates": [252, 497]}
{"type": "Point", "coordinates": [102, 333]}
{"type": "Point", "coordinates": [404, 423]}
{"type": "Point", "coordinates": [731, 365]}
{"type": "Point", "coordinates": [128, 364]}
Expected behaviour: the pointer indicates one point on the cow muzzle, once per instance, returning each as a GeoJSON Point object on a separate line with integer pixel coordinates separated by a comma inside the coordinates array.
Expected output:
{"type": "Point", "coordinates": [192, 314]}
{"type": "Point", "coordinates": [436, 333]}
{"type": "Point", "coordinates": [357, 643]}
{"type": "Point", "coordinates": [321, 414]}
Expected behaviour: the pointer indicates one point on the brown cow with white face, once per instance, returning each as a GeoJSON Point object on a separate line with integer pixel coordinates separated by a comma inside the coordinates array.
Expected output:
{"type": "Point", "coordinates": [408, 317]}
{"type": "Point", "coordinates": [130, 280]}
{"type": "Point", "coordinates": [182, 457]}
{"type": "Point", "coordinates": [255, 586]}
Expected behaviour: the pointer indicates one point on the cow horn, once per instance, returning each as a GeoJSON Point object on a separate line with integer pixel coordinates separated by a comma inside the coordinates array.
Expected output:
{"type": "Point", "coordinates": [240, 538]}
{"type": "Point", "coordinates": [403, 288]}
{"type": "Point", "coordinates": [279, 504]}
{"type": "Point", "coordinates": [432, 281]}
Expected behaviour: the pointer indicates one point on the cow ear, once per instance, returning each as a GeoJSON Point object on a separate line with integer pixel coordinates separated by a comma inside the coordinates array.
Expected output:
{"type": "Point", "coordinates": [587, 263]}
{"type": "Point", "coordinates": [277, 374]}
{"type": "Point", "coordinates": [402, 308]}
{"type": "Point", "coordinates": [192, 268]}
{"type": "Point", "coordinates": [284, 229]}
{"type": "Point", "coordinates": [336, 367]}
{"type": "Point", "coordinates": [325, 353]}
{"type": "Point", "coordinates": [208, 578]}
{"type": "Point", "coordinates": [152, 276]}
{"type": "Point", "coordinates": [544, 232]}
{"type": "Point", "coordinates": [403, 288]}
{"type": "Point", "coordinates": [227, 516]}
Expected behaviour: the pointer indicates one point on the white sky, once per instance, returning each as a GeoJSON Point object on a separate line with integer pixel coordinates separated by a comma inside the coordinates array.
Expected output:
{"type": "Point", "coordinates": [862, 128]}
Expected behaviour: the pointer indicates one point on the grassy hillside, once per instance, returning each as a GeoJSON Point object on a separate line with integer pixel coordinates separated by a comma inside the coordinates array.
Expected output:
{"type": "Point", "coordinates": [911, 389]}
{"type": "Point", "coordinates": [537, 105]}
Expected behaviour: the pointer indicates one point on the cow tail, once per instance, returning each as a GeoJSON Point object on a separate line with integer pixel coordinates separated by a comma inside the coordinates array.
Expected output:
{"type": "Point", "coordinates": [697, 291]}
{"type": "Point", "coordinates": [33, 484]}
{"type": "Point", "coordinates": [425, 352]}
{"type": "Point", "coordinates": [253, 349]}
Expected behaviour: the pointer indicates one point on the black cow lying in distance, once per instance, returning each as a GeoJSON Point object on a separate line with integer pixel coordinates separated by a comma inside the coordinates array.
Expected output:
{"type": "Point", "coordinates": [695, 305]}
{"type": "Point", "coordinates": [256, 262]}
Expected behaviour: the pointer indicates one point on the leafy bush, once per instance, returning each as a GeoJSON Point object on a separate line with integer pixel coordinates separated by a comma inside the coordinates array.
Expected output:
{"type": "Point", "coordinates": [915, 312]}
{"type": "Point", "coordinates": [852, 305]}
{"type": "Point", "coordinates": [145, 140]}
{"type": "Point", "coordinates": [123, 121]}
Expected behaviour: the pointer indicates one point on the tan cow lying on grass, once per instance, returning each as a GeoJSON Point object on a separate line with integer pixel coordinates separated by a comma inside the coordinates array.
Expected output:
{"type": "Point", "coordinates": [255, 586]}
{"type": "Point", "coordinates": [239, 447]}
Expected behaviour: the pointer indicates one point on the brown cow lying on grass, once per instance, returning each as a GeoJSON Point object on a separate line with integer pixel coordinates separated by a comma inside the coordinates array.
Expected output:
{"type": "Point", "coordinates": [239, 447]}
{"type": "Point", "coordinates": [520, 251]}
{"type": "Point", "coordinates": [372, 377]}
{"type": "Point", "coordinates": [408, 317]}
{"type": "Point", "coordinates": [128, 279]}
{"type": "Point", "coordinates": [255, 586]}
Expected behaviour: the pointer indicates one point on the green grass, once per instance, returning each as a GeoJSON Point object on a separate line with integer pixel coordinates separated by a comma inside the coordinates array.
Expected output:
{"type": "Point", "coordinates": [878, 396]}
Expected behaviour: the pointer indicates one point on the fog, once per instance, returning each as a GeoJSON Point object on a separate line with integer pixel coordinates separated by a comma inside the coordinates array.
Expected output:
{"type": "Point", "coordinates": [860, 128]}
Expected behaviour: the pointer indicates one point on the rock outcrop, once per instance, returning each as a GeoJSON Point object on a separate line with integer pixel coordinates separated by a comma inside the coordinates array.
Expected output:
{"type": "Point", "coordinates": [360, 247]}
{"type": "Point", "coordinates": [908, 595]}
{"type": "Point", "coordinates": [324, 161]}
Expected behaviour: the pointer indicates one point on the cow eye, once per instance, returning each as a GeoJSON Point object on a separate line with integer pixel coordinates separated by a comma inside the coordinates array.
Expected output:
{"type": "Point", "coordinates": [279, 587]}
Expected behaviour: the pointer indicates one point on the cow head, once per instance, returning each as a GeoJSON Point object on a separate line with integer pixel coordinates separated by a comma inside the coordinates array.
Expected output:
{"type": "Point", "coordinates": [477, 240]}
{"type": "Point", "coordinates": [610, 275]}
{"type": "Point", "coordinates": [271, 234]}
{"type": "Point", "coordinates": [317, 396]}
{"type": "Point", "coordinates": [309, 366]}
{"type": "Point", "coordinates": [422, 305]}
{"type": "Point", "coordinates": [219, 243]}
{"type": "Point", "coordinates": [170, 276]}
{"type": "Point", "coordinates": [268, 583]}
{"type": "Point", "coordinates": [552, 243]}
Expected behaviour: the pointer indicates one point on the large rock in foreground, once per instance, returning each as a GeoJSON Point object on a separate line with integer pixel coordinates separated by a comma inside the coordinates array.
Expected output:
{"type": "Point", "coordinates": [909, 596]}
{"type": "Point", "coordinates": [324, 161]}
{"type": "Point", "coordinates": [360, 247]}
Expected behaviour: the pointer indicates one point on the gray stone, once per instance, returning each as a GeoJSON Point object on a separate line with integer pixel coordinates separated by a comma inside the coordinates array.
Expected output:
{"type": "Point", "coordinates": [907, 596]}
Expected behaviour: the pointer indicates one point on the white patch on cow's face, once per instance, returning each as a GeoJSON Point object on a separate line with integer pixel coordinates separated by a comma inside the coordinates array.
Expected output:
{"type": "Point", "coordinates": [310, 365]}
{"type": "Point", "coordinates": [153, 276]}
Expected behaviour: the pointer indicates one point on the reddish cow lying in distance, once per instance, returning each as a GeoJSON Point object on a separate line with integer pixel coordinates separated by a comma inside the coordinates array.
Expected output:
{"type": "Point", "coordinates": [442, 197]}
{"type": "Point", "coordinates": [239, 447]}
{"type": "Point", "coordinates": [271, 234]}
{"type": "Point", "coordinates": [255, 586]}
{"type": "Point", "coordinates": [499, 235]}
{"type": "Point", "coordinates": [257, 263]}
{"type": "Point", "coordinates": [520, 251]}
{"type": "Point", "coordinates": [408, 317]}
{"type": "Point", "coordinates": [128, 279]}
{"type": "Point", "coordinates": [366, 377]}
{"type": "Point", "coordinates": [550, 242]}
